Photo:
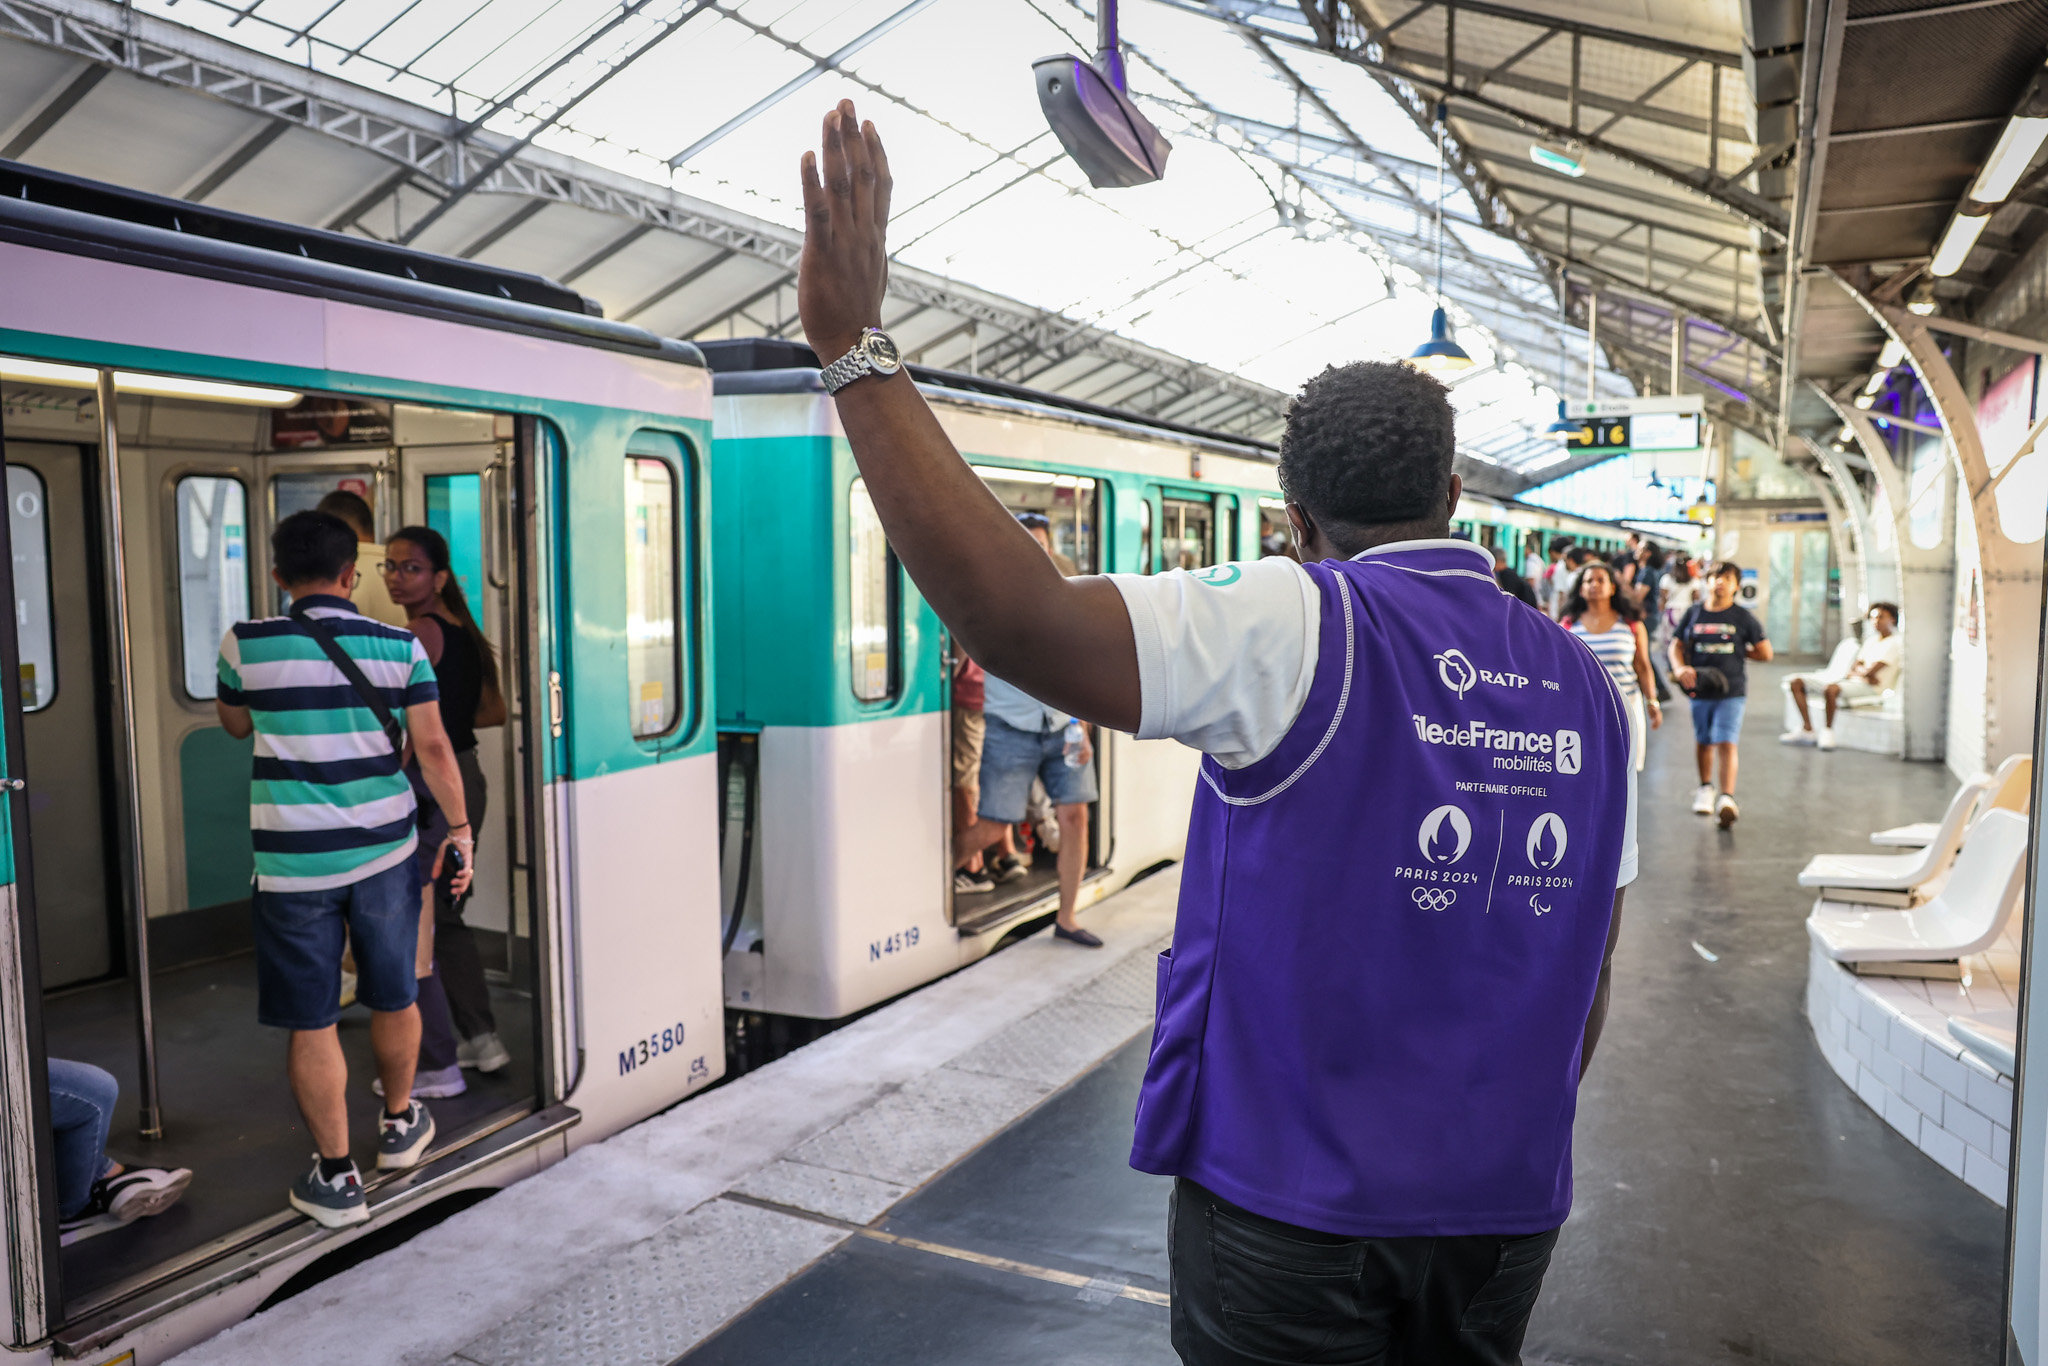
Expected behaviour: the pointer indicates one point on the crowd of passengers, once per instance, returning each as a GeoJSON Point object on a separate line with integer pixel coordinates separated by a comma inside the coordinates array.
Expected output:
{"type": "Point", "coordinates": [365, 798]}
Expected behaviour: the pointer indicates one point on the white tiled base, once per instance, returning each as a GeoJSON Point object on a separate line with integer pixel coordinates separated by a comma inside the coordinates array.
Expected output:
{"type": "Point", "coordinates": [1887, 1038]}
{"type": "Point", "coordinates": [1875, 730]}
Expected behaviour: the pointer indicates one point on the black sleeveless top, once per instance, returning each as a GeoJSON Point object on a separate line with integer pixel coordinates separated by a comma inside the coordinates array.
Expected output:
{"type": "Point", "coordinates": [461, 677]}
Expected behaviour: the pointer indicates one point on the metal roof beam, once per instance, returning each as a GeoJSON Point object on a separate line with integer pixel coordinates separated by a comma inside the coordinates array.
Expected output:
{"type": "Point", "coordinates": [53, 109]}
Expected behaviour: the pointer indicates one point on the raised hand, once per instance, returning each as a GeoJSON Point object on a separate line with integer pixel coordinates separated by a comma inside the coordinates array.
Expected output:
{"type": "Point", "coordinates": [845, 265]}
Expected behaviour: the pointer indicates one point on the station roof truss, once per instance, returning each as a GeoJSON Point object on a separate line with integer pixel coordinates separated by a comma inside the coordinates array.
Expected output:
{"type": "Point", "coordinates": [545, 135]}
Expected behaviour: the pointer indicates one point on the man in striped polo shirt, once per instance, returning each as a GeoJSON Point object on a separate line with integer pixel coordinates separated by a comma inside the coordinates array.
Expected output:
{"type": "Point", "coordinates": [333, 822]}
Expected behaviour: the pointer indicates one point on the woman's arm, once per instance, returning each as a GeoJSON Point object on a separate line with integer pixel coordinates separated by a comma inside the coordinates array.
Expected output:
{"type": "Point", "coordinates": [1646, 680]}
{"type": "Point", "coordinates": [428, 629]}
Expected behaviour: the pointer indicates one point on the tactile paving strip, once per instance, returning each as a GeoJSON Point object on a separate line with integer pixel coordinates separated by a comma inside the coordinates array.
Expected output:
{"type": "Point", "coordinates": [1057, 1043]}
{"type": "Point", "coordinates": [912, 1133]}
{"type": "Point", "coordinates": [663, 1295]}
{"type": "Point", "coordinates": [1133, 982]}
{"type": "Point", "coordinates": [843, 1195]}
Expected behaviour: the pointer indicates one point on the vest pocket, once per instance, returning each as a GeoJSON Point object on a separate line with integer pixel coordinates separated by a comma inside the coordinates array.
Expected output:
{"type": "Point", "coordinates": [1162, 977]}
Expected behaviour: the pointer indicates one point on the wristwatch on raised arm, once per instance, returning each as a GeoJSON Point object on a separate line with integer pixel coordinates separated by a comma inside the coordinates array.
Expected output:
{"type": "Point", "coordinates": [874, 354]}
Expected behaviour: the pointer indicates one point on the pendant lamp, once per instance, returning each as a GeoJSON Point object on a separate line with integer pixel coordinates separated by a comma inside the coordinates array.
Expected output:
{"type": "Point", "coordinates": [1441, 354]}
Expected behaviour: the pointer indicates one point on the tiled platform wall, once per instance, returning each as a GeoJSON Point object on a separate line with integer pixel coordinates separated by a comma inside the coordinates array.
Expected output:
{"type": "Point", "coordinates": [1887, 1038]}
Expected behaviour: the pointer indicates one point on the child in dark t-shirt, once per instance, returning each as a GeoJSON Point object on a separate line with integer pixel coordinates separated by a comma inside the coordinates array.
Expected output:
{"type": "Point", "coordinates": [1710, 652]}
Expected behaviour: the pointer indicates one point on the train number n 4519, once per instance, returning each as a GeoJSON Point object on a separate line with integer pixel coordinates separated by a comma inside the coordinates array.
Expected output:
{"type": "Point", "coordinates": [899, 942]}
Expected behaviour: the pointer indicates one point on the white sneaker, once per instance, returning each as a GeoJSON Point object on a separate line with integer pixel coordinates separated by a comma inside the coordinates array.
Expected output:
{"type": "Point", "coordinates": [1796, 737]}
{"type": "Point", "coordinates": [486, 1053]}
{"type": "Point", "coordinates": [1726, 812]}
{"type": "Point", "coordinates": [1703, 800]}
{"type": "Point", "coordinates": [1827, 737]}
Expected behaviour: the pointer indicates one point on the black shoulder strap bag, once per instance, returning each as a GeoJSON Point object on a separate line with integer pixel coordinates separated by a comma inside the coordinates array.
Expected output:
{"type": "Point", "coordinates": [324, 638]}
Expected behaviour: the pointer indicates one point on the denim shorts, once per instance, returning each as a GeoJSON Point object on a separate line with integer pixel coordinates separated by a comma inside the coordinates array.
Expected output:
{"type": "Point", "coordinates": [1717, 721]}
{"type": "Point", "coordinates": [299, 940]}
{"type": "Point", "coordinates": [1011, 758]}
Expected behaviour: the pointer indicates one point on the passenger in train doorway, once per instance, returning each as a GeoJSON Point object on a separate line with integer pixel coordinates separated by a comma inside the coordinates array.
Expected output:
{"type": "Point", "coordinates": [1876, 668]}
{"type": "Point", "coordinates": [1709, 659]}
{"type": "Point", "coordinates": [1026, 740]}
{"type": "Point", "coordinates": [96, 1194]}
{"type": "Point", "coordinates": [1603, 616]}
{"type": "Point", "coordinates": [333, 825]}
{"type": "Point", "coordinates": [969, 729]}
{"type": "Point", "coordinates": [1546, 584]}
{"type": "Point", "coordinates": [1511, 583]}
{"type": "Point", "coordinates": [371, 598]}
{"type": "Point", "coordinates": [1368, 1048]}
{"type": "Point", "coordinates": [453, 990]}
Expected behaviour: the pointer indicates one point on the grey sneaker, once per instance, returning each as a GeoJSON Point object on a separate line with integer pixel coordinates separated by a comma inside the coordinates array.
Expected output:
{"type": "Point", "coordinates": [485, 1053]}
{"type": "Point", "coordinates": [402, 1141]}
{"type": "Point", "coordinates": [431, 1083]}
{"type": "Point", "coordinates": [335, 1203]}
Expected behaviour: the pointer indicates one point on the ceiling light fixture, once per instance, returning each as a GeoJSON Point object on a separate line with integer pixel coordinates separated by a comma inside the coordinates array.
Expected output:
{"type": "Point", "coordinates": [1865, 400]}
{"type": "Point", "coordinates": [1893, 354]}
{"type": "Point", "coordinates": [1876, 381]}
{"type": "Point", "coordinates": [2017, 146]}
{"type": "Point", "coordinates": [1441, 354]}
{"type": "Point", "coordinates": [1962, 234]}
{"type": "Point", "coordinates": [1922, 301]}
{"type": "Point", "coordinates": [1552, 157]}
{"type": "Point", "coordinates": [26, 371]}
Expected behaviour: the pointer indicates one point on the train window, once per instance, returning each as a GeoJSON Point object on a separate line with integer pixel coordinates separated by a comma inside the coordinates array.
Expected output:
{"type": "Point", "coordinates": [1145, 562]}
{"type": "Point", "coordinates": [1187, 536]}
{"type": "Point", "coordinates": [28, 522]}
{"type": "Point", "coordinates": [1227, 548]}
{"type": "Point", "coordinates": [653, 648]}
{"type": "Point", "coordinates": [1067, 501]}
{"type": "Point", "coordinates": [872, 598]}
{"type": "Point", "coordinates": [212, 513]}
{"type": "Point", "coordinates": [1275, 536]}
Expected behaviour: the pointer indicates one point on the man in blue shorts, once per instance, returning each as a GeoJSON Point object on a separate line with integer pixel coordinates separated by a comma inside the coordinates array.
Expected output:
{"type": "Point", "coordinates": [1026, 739]}
{"type": "Point", "coordinates": [333, 822]}
{"type": "Point", "coordinates": [1709, 654]}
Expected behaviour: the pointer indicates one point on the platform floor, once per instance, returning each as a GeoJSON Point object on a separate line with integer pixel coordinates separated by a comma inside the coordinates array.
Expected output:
{"type": "Point", "coordinates": [944, 1181]}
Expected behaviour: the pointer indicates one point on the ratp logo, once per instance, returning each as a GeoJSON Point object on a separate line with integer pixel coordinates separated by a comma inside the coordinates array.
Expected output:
{"type": "Point", "coordinates": [1218, 575]}
{"type": "Point", "coordinates": [1569, 755]}
{"type": "Point", "coordinates": [1431, 838]}
{"type": "Point", "coordinates": [1456, 672]}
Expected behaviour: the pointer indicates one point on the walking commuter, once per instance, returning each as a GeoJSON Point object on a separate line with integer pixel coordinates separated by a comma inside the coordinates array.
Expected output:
{"type": "Point", "coordinates": [1372, 1027]}
{"type": "Point", "coordinates": [332, 698]}
{"type": "Point", "coordinates": [96, 1194]}
{"type": "Point", "coordinates": [1546, 584]}
{"type": "Point", "coordinates": [420, 581]}
{"type": "Point", "coordinates": [1604, 617]}
{"type": "Point", "coordinates": [1709, 659]}
{"type": "Point", "coordinates": [1026, 739]}
{"type": "Point", "coordinates": [1511, 583]}
{"type": "Point", "coordinates": [371, 597]}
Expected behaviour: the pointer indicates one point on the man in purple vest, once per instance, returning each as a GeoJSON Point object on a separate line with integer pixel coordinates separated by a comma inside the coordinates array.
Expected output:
{"type": "Point", "coordinates": [1415, 814]}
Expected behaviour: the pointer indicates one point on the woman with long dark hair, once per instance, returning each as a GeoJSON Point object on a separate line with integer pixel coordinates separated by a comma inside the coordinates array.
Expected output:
{"type": "Point", "coordinates": [1600, 614]}
{"type": "Point", "coordinates": [420, 581]}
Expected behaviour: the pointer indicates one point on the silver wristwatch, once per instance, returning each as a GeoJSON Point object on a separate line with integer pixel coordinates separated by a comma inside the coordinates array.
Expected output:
{"type": "Point", "coordinates": [875, 353]}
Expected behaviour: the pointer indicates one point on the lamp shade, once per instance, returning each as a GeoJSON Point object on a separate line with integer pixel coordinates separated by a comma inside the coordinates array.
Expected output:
{"type": "Point", "coordinates": [1439, 354]}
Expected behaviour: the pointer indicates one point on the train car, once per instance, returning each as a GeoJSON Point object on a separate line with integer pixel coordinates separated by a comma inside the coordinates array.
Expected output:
{"type": "Point", "coordinates": [833, 681]}
{"type": "Point", "coordinates": [173, 381]}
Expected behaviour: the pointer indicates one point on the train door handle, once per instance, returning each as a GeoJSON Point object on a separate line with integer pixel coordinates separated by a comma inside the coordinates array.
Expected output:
{"type": "Point", "coordinates": [555, 703]}
{"type": "Point", "coordinates": [14, 784]}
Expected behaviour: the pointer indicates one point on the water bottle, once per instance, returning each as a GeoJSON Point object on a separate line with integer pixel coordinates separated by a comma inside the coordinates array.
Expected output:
{"type": "Point", "coordinates": [1076, 743]}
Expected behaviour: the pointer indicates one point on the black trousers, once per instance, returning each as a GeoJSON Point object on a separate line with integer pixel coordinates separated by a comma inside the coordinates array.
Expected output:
{"type": "Point", "coordinates": [1249, 1289]}
{"type": "Point", "coordinates": [456, 960]}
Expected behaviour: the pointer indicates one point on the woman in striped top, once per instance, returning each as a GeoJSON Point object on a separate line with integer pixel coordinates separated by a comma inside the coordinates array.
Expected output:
{"type": "Point", "coordinates": [1612, 628]}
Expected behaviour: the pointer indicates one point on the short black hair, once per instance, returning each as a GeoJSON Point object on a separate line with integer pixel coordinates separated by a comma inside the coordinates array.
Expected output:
{"type": "Point", "coordinates": [1889, 608]}
{"type": "Point", "coordinates": [312, 547]}
{"type": "Point", "coordinates": [1369, 444]}
{"type": "Point", "coordinates": [1034, 521]}
{"type": "Point", "coordinates": [1560, 544]}
{"type": "Point", "coordinates": [1577, 555]}
{"type": "Point", "coordinates": [1726, 569]}
{"type": "Point", "coordinates": [351, 508]}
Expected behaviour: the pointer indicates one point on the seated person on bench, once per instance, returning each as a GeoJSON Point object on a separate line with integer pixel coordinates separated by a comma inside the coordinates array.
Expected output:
{"type": "Point", "coordinates": [1875, 669]}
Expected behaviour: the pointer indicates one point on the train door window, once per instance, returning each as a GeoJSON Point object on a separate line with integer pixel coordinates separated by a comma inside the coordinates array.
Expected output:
{"type": "Point", "coordinates": [1068, 502]}
{"type": "Point", "coordinates": [455, 508]}
{"type": "Point", "coordinates": [1226, 545]}
{"type": "Point", "coordinates": [28, 522]}
{"type": "Point", "coordinates": [872, 599]}
{"type": "Point", "coordinates": [1275, 536]}
{"type": "Point", "coordinates": [653, 648]}
{"type": "Point", "coordinates": [212, 515]}
{"type": "Point", "coordinates": [1187, 533]}
{"type": "Point", "coordinates": [1146, 565]}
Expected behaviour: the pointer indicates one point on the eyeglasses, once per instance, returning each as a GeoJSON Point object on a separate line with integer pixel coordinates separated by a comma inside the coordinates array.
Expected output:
{"type": "Point", "coordinates": [409, 569]}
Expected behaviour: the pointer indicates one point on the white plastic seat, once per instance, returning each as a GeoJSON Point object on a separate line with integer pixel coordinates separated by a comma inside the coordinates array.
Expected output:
{"type": "Point", "coordinates": [1899, 872]}
{"type": "Point", "coordinates": [1993, 1036]}
{"type": "Point", "coordinates": [2010, 786]}
{"type": "Point", "coordinates": [1982, 889]}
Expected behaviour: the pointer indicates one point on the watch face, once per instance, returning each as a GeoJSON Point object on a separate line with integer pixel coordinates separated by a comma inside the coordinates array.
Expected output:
{"type": "Point", "coordinates": [882, 352]}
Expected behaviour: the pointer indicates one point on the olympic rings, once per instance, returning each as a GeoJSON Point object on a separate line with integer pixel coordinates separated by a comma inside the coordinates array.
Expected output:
{"type": "Point", "coordinates": [1433, 898]}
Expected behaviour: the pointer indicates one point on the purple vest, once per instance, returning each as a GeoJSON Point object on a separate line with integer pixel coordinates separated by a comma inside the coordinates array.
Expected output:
{"type": "Point", "coordinates": [1391, 927]}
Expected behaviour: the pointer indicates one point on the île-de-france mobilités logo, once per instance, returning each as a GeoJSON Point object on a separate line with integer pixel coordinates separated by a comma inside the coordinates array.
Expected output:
{"type": "Point", "coordinates": [1456, 672]}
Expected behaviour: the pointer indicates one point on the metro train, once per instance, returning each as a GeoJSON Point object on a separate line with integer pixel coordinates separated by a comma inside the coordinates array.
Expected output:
{"type": "Point", "coordinates": [721, 794]}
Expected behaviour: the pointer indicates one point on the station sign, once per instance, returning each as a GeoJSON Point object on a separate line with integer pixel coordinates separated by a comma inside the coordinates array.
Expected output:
{"type": "Point", "coordinates": [1634, 432]}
